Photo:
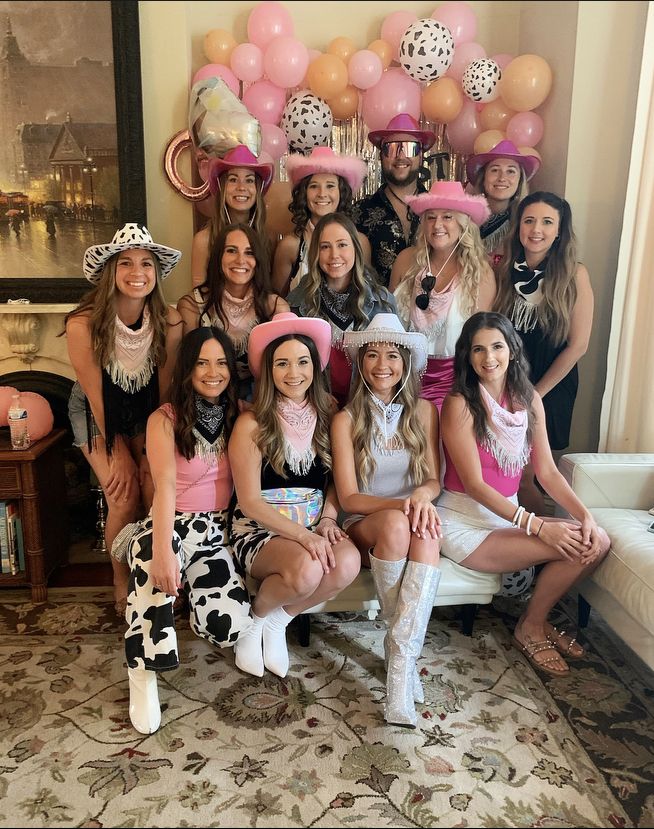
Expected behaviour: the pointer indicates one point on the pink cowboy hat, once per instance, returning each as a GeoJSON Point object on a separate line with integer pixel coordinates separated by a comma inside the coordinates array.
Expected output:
{"type": "Point", "coordinates": [241, 156]}
{"type": "Point", "coordinates": [325, 160]}
{"type": "Point", "coordinates": [450, 195]}
{"type": "Point", "coordinates": [287, 322]}
{"type": "Point", "coordinates": [403, 124]}
{"type": "Point", "coordinates": [505, 149]}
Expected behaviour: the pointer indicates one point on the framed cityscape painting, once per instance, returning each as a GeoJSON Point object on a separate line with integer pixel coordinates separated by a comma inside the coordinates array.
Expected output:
{"type": "Point", "coordinates": [71, 140]}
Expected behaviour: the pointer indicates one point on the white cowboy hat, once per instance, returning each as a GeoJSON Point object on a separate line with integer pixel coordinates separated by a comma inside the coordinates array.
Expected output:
{"type": "Point", "coordinates": [387, 328]}
{"type": "Point", "coordinates": [131, 235]}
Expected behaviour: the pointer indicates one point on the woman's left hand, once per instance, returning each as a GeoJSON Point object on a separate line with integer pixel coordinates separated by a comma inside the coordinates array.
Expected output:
{"type": "Point", "coordinates": [590, 539]}
{"type": "Point", "coordinates": [329, 529]}
{"type": "Point", "coordinates": [423, 516]}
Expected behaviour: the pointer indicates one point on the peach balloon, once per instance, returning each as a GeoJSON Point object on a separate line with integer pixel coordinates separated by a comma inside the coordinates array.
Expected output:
{"type": "Point", "coordinates": [526, 82]}
{"type": "Point", "coordinates": [384, 50]}
{"type": "Point", "coordinates": [486, 140]}
{"type": "Point", "coordinates": [495, 115]}
{"type": "Point", "coordinates": [40, 419]}
{"type": "Point", "coordinates": [345, 105]}
{"type": "Point", "coordinates": [218, 46]}
{"type": "Point", "coordinates": [442, 100]}
{"type": "Point", "coordinates": [342, 47]}
{"type": "Point", "coordinates": [531, 151]}
{"type": "Point", "coordinates": [6, 393]}
{"type": "Point", "coordinates": [278, 216]}
{"type": "Point", "coordinates": [327, 76]}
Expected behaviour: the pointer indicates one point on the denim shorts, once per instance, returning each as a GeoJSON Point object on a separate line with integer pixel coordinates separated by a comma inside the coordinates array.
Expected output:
{"type": "Point", "coordinates": [78, 419]}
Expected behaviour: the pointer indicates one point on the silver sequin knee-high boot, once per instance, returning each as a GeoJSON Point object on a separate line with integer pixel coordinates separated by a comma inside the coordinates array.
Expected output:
{"type": "Point", "coordinates": [406, 637]}
{"type": "Point", "coordinates": [387, 576]}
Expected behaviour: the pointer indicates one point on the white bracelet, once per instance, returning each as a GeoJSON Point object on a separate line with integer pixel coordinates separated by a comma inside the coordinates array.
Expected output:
{"type": "Point", "coordinates": [517, 518]}
{"type": "Point", "coordinates": [532, 515]}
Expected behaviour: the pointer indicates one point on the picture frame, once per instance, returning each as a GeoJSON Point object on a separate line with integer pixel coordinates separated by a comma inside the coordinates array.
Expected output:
{"type": "Point", "coordinates": [131, 158]}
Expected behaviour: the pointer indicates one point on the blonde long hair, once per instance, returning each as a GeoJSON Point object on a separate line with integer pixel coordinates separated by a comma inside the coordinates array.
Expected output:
{"type": "Point", "coordinates": [100, 305]}
{"type": "Point", "coordinates": [270, 439]}
{"type": "Point", "coordinates": [410, 428]}
{"type": "Point", "coordinates": [470, 255]}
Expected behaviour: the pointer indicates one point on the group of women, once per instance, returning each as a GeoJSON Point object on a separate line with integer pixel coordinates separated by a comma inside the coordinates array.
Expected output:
{"type": "Point", "coordinates": [294, 433]}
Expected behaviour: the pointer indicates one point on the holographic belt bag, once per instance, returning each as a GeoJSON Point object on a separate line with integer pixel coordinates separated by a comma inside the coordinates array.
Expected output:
{"type": "Point", "coordinates": [297, 503]}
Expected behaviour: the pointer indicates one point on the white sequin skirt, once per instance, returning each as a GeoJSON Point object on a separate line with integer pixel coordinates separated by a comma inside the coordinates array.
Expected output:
{"type": "Point", "coordinates": [466, 523]}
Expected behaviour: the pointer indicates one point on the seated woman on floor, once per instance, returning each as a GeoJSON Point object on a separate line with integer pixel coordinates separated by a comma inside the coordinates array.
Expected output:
{"type": "Point", "coordinates": [493, 424]}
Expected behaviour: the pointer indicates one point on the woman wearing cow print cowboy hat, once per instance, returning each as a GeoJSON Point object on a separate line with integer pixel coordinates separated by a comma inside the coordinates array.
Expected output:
{"type": "Point", "coordinates": [122, 338]}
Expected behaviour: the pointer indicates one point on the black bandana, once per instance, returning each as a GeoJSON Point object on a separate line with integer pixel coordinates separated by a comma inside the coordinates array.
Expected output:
{"type": "Point", "coordinates": [209, 426]}
{"type": "Point", "coordinates": [528, 294]}
{"type": "Point", "coordinates": [494, 221]}
{"type": "Point", "coordinates": [336, 306]}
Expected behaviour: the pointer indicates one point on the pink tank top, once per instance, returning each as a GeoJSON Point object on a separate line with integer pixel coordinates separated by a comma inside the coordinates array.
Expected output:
{"type": "Point", "coordinates": [490, 472]}
{"type": "Point", "coordinates": [200, 486]}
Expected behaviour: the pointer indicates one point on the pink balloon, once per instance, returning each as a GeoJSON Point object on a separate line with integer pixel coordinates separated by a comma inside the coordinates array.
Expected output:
{"type": "Point", "coordinates": [365, 69]}
{"type": "Point", "coordinates": [286, 61]}
{"type": "Point", "coordinates": [459, 18]}
{"type": "Point", "coordinates": [525, 129]}
{"type": "Point", "coordinates": [273, 141]}
{"type": "Point", "coordinates": [40, 419]}
{"type": "Point", "coordinates": [396, 92]}
{"type": "Point", "coordinates": [463, 55]}
{"type": "Point", "coordinates": [246, 62]}
{"type": "Point", "coordinates": [393, 28]}
{"type": "Point", "coordinates": [268, 21]}
{"type": "Point", "coordinates": [265, 101]}
{"type": "Point", "coordinates": [462, 131]}
{"type": "Point", "coordinates": [503, 59]}
{"type": "Point", "coordinates": [6, 393]}
{"type": "Point", "coordinates": [213, 70]}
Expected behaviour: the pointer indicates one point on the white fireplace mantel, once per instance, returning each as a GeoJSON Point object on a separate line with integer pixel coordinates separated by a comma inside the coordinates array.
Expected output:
{"type": "Point", "coordinates": [30, 331]}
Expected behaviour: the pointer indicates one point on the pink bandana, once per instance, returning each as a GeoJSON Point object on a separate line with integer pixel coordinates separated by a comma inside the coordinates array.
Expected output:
{"type": "Point", "coordinates": [432, 320]}
{"type": "Point", "coordinates": [298, 422]}
{"type": "Point", "coordinates": [506, 435]}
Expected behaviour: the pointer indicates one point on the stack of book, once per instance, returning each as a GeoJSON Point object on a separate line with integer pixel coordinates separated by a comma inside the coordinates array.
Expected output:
{"type": "Point", "coordinates": [12, 551]}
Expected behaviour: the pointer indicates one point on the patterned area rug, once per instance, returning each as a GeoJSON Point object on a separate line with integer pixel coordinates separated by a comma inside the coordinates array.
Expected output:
{"type": "Point", "coordinates": [497, 744]}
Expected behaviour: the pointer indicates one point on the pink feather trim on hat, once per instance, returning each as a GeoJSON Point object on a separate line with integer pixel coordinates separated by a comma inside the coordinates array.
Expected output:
{"type": "Point", "coordinates": [325, 160]}
{"type": "Point", "coordinates": [450, 195]}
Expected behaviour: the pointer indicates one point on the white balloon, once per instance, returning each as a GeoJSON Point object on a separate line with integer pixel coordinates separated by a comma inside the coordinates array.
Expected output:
{"type": "Point", "coordinates": [307, 121]}
{"type": "Point", "coordinates": [480, 80]}
{"type": "Point", "coordinates": [518, 582]}
{"type": "Point", "coordinates": [426, 50]}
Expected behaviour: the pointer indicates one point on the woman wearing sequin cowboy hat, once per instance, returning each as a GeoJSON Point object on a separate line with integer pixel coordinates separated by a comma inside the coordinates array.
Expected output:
{"type": "Point", "coordinates": [284, 530]}
{"type": "Point", "coordinates": [122, 339]}
{"type": "Point", "coordinates": [323, 182]}
{"type": "Point", "coordinates": [235, 296]}
{"type": "Point", "coordinates": [238, 182]}
{"type": "Point", "coordinates": [444, 277]}
{"type": "Point", "coordinates": [183, 543]}
{"type": "Point", "coordinates": [502, 175]}
{"type": "Point", "coordinates": [339, 288]}
{"type": "Point", "coordinates": [384, 445]}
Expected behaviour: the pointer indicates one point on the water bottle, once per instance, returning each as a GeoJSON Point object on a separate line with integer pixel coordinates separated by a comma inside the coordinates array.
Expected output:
{"type": "Point", "coordinates": [17, 417]}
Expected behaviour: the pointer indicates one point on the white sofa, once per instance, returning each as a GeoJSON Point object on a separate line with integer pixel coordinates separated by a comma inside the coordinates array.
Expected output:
{"type": "Point", "coordinates": [619, 490]}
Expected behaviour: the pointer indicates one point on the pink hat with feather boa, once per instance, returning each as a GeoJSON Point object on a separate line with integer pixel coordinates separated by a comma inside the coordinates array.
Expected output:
{"type": "Point", "coordinates": [325, 160]}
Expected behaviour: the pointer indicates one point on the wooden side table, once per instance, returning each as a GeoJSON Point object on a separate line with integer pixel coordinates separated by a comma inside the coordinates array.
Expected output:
{"type": "Point", "coordinates": [36, 479]}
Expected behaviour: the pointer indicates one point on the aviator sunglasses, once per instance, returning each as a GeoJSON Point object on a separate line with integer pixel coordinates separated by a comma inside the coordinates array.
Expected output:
{"type": "Point", "coordinates": [393, 149]}
{"type": "Point", "coordinates": [427, 284]}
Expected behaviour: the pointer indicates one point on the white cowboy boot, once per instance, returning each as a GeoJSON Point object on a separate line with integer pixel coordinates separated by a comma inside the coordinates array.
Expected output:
{"type": "Point", "coordinates": [275, 649]}
{"type": "Point", "coordinates": [144, 710]}
{"type": "Point", "coordinates": [406, 637]}
{"type": "Point", "coordinates": [387, 576]}
{"type": "Point", "coordinates": [248, 653]}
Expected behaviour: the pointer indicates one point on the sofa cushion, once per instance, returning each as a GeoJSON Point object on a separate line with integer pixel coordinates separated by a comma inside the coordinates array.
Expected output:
{"type": "Point", "coordinates": [627, 573]}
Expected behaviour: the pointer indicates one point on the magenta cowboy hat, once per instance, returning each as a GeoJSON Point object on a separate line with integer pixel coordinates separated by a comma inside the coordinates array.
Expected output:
{"type": "Point", "coordinates": [505, 149]}
{"type": "Point", "coordinates": [241, 156]}
{"type": "Point", "coordinates": [450, 195]}
{"type": "Point", "coordinates": [287, 322]}
{"type": "Point", "coordinates": [406, 125]}
{"type": "Point", "coordinates": [325, 160]}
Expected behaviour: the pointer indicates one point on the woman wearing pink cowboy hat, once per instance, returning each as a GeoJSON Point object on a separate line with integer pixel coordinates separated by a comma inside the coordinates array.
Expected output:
{"type": "Point", "coordinates": [502, 175]}
{"type": "Point", "coordinates": [383, 216]}
{"type": "Point", "coordinates": [444, 277]}
{"type": "Point", "coordinates": [323, 182]}
{"type": "Point", "coordinates": [238, 182]}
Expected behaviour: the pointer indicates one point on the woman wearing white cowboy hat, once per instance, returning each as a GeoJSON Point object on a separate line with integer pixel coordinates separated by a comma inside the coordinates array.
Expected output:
{"type": "Point", "coordinates": [239, 182]}
{"type": "Point", "coordinates": [444, 277]}
{"type": "Point", "coordinates": [386, 475]}
{"type": "Point", "coordinates": [122, 339]}
{"type": "Point", "coordinates": [323, 182]}
{"type": "Point", "coordinates": [284, 530]}
{"type": "Point", "coordinates": [502, 175]}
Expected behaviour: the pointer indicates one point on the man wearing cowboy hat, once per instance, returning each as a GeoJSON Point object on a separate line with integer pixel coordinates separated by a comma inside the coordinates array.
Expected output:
{"type": "Point", "coordinates": [384, 216]}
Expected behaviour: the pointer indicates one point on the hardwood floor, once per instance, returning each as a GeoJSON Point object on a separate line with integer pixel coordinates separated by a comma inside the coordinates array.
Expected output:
{"type": "Point", "coordinates": [86, 567]}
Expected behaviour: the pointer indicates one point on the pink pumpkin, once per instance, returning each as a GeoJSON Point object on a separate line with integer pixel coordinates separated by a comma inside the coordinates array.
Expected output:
{"type": "Point", "coordinates": [40, 419]}
{"type": "Point", "coordinates": [6, 393]}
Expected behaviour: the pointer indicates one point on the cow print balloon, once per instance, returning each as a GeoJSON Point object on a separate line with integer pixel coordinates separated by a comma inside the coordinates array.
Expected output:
{"type": "Point", "coordinates": [517, 583]}
{"type": "Point", "coordinates": [480, 80]}
{"type": "Point", "coordinates": [426, 50]}
{"type": "Point", "coordinates": [306, 121]}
